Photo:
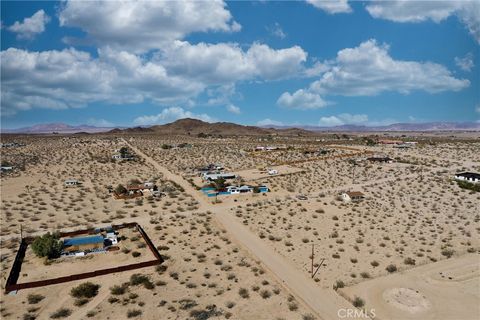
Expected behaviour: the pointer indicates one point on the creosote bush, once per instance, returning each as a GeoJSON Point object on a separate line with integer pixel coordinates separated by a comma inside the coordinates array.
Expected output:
{"type": "Point", "coordinates": [85, 290]}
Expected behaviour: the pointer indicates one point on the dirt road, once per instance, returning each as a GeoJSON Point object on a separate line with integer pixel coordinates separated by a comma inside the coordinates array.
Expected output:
{"type": "Point", "coordinates": [324, 303]}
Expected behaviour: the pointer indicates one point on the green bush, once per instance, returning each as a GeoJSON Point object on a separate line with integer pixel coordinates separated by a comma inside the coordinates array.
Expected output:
{"type": "Point", "coordinates": [469, 186]}
{"type": "Point", "coordinates": [47, 245]}
{"type": "Point", "coordinates": [85, 290]}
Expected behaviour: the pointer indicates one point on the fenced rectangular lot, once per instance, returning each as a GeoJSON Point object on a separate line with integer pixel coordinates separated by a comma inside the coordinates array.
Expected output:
{"type": "Point", "coordinates": [12, 281]}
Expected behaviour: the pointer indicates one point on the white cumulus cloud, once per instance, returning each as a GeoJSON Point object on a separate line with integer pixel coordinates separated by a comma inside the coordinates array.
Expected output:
{"type": "Point", "coordinates": [276, 30]}
{"type": "Point", "coordinates": [369, 70]}
{"type": "Point", "coordinates": [468, 11]}
{"type": "Point", "coordinates": [233, 109]}
{"type": "Point", "coordinates": [466, 63]}
{"type": "Point", "coordinates": [143, 25]}
{"type": "Point", "coordinates": [169, 115]}
{"type": "Point", "coordinates": [227, 62]}
{"type": "Point", "coordinates": [269, 122]}
{"type": "Point", "coordinates": [332, 6]}
{"type": "Point", "coordinates": [344, 118]}
{"type": "Point", "coordinates": [30, 27]}
{"type": "Point", "coordinates": [176, 75]}
{"type": "Point", "coordinates": [302, 100]}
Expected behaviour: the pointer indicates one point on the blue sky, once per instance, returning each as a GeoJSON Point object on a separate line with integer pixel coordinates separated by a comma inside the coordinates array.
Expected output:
{"type": "Point", "coordinates": [306, 62]}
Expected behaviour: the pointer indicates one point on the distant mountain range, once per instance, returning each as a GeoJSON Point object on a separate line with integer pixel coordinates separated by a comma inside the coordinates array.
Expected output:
{"type": "Point", "coordinates": [426, 126]}
{"type": "Point", "coordinates": [195, 127]}
{"type": "Point", "coordinates": [57, 127]}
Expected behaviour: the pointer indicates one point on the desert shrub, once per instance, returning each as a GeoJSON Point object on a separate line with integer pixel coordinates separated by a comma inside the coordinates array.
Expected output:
{"type": "Point", "coordinates": [85, 290]}
{"type": "Point", "coordinates": [133, 313]}
{"type": "Point", "coordinates": [61, 313]}
{"type": "Point", "coordinates": [118, 290]}
{"type": "Point", "coordinates": [308, 316]}
{"type": "Point", "coordinates": [391, 268]}
{"type": "Point", "coordinates": [243, 293]}
{"type": "Point", "coordinates": [209, 312]}
{"type": "Point", "coordinates": [358, 302]}
{"type": "Point", "coordinates": [80, 302]}
{"type": "Point", "coordinates": [47, 245]}
{"type": "Point", "coordinates": [338, 285]}
{"type": "Point", "coordinates": [265, 294]}
{"type": "Point", "coordinates": [292, 306]}
{"type": "Point", "coordinates": [447, 253]}
{"type": "Point", "coordinates": [136, 254]}
{"type": "Point", "coordinates": [34, 298]}
{"type": "Point", "coordinates": [374, 263]}
{"type": "Point", "coordinates": [365, 275]}
{"type": "Point", "coordinates": [186, 304]}
{"type": "Point", "coordinates": [409, 261]}
{"type": "Point", "coordinates": [29, 316]}
{"type": "Point", "coordinates": [137, 279]}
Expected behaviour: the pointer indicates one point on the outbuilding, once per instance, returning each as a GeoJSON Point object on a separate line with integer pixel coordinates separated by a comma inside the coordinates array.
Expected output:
{"type": "Point", "coordinates": [83, 243]}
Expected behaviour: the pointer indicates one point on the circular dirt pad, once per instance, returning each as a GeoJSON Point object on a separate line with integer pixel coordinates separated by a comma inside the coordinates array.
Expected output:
{"type": "Point", "coordinates": [406, 299]}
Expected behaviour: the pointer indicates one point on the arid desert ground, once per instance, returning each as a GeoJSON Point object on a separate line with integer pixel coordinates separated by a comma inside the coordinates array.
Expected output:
{"type": "Point", "coordinates": [408, 250]}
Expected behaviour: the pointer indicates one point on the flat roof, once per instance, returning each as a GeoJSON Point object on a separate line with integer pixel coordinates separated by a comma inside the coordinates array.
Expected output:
{"type": "Point", "coordinates": [83, 241]}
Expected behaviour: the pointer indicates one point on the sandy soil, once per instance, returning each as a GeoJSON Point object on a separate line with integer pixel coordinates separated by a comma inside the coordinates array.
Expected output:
{"type": "Point", "coordinates": [449, 289]}
{"type": "Point", "coordinates": [250, 255]}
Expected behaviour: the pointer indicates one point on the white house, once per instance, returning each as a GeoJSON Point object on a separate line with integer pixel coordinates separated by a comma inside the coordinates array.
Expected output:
{"type": "Point", "coordinates": [351, 196]}
{"type": "Point", "coordinates": [6, 168]}
{"type": "Point", "coordinates": [111, 235]}
{"type": "Point", "coordinates": [468, 177]}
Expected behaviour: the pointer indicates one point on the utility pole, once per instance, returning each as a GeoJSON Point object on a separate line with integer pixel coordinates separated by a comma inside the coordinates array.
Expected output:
{"type": "Point", "coordinates": [311, 272]}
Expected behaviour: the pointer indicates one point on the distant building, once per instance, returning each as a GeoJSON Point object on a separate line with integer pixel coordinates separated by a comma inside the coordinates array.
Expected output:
{"type": "Point", "coordinates": [380, 159]}
{"type": "Point", "coordinates": [404, 145]}
{"type": "Point", "coordinates": [385, 141]}
{"type": "Point", "coordinates": [71, 182]}
{"type": "Point", "coordinates": [352, 196]}
{"type": "Point", "coordinates": [272, 172]}
{"type": "Point", "coordinates": [468, 176]}
{"type": "Point", "coordinates": [215, 176]}
{"type": "Point", "coordinates": [6, 168]}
